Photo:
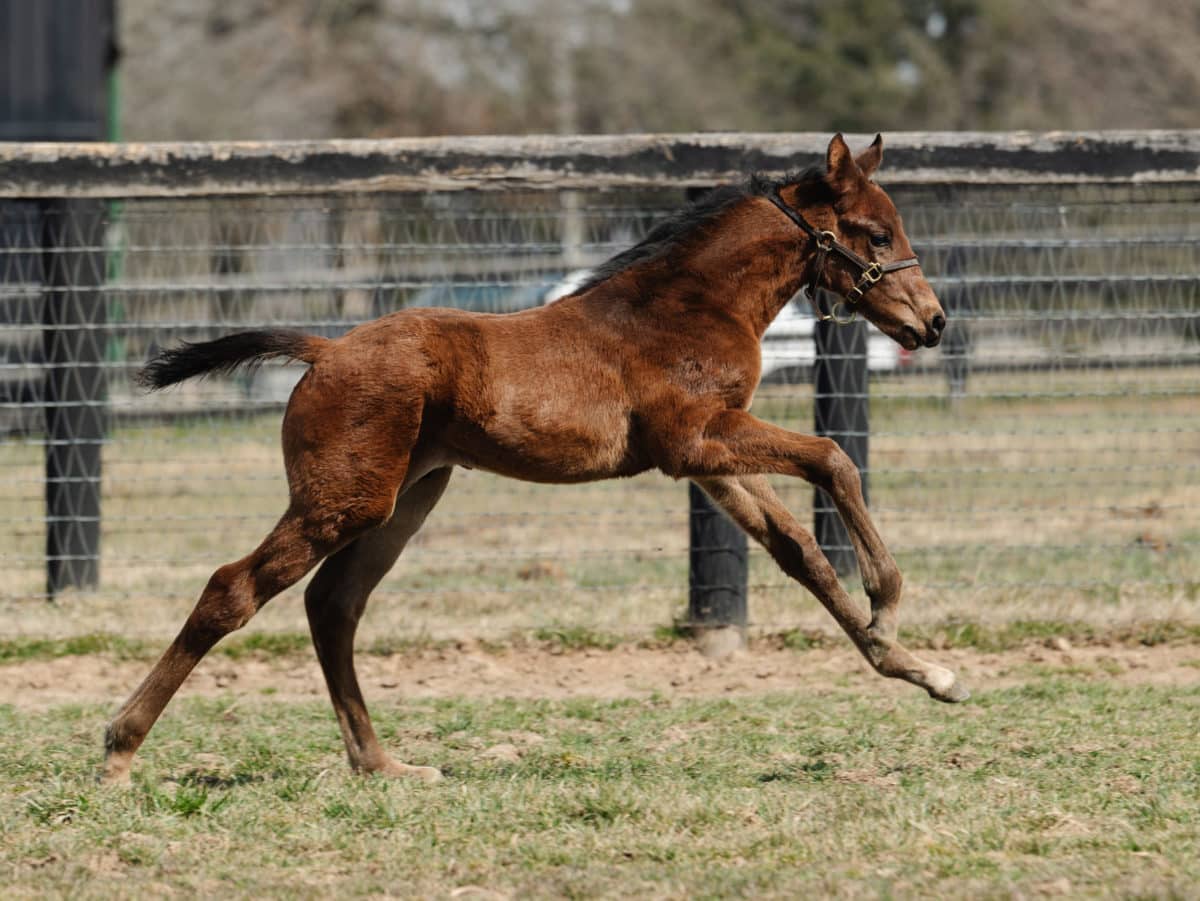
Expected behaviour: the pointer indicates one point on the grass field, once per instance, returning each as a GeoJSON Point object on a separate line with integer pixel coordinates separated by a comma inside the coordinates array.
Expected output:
{"type": "Point", "coordinates": [1061, 782]}
{"type": "Point", "coordinates": [1039, 513]}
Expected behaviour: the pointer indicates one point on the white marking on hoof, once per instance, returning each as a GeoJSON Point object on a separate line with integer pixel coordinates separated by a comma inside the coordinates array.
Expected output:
{"type": "Point", "coordinates": [426, 774]}
{"type": "Point", "coordinates": [115, 773]}
{"type": "Point", "coordinates": [944, 686]}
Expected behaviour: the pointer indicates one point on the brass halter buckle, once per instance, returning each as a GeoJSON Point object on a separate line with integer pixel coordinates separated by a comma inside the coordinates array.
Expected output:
{"type": "Point", "coordinates": [872, 275]}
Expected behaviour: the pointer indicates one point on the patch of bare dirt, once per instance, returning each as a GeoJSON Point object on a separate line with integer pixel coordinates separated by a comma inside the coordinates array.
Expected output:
{"type": "Point", "coordinates": [628, 671]}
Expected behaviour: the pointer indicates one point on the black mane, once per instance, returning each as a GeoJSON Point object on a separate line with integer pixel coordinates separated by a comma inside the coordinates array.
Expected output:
{"type": "Point", "coordinates": [672, 231]}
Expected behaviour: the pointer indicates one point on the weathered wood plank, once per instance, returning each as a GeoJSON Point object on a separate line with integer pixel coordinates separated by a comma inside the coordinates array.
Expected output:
{"type": "Point", "coordinates": [577, 162]}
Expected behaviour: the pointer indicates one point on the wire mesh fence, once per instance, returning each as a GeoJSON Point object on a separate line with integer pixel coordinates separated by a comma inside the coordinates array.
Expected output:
{"type": "Point", "coordinates": [1044, 458]}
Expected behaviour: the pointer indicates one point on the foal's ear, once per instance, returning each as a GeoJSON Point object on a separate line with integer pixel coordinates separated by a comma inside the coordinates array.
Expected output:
{"type": "Point", "coordinates": [841, 171]}
{"type": "Point", "coordinates": [869, 160]}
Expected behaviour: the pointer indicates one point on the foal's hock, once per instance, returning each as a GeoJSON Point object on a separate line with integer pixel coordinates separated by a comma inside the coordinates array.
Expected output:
{"type": "Point", "coordinates": [651, 364]}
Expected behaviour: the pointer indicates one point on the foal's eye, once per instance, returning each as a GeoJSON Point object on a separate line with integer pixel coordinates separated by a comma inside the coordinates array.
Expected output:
{"type": "Point", "coordinates": [881, 240]}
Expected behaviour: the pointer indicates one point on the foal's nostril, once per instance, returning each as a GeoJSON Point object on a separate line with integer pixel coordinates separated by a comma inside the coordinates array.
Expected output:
{"type": "Point", "coordinates": [939, 323]}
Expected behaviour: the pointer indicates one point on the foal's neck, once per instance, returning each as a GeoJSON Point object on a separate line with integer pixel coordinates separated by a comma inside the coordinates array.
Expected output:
{"type": "Point", "coordinates": [756, 262]}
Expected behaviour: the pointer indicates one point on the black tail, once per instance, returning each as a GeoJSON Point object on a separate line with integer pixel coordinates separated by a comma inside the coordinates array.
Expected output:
{"type": "Point", "coordinates": [226, 354]}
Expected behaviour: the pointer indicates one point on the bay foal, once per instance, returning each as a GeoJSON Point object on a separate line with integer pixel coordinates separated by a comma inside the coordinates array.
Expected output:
{"type": "Point", "coordinates": [651, 364]}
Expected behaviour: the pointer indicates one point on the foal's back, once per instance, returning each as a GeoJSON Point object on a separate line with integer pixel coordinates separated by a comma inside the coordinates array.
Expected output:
{"type": "Point", "coordinates": [551, 394]}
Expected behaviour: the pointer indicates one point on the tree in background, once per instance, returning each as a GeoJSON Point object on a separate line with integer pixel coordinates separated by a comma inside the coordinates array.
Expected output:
{"type": "Point", "coordinates": [353, 68]}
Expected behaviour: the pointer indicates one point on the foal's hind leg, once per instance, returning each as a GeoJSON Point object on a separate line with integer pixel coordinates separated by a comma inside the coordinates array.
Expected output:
{"type": "Point", "coordinates": [753, 505]}
{"type": "Point", "coordinates": [335, 600]}
{"type": "Point", "coordinates": [233, 595]}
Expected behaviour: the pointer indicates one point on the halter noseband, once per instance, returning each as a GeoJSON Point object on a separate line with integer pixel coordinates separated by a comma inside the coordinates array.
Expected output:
{"type": "Point", "coordinates": [870, 272]}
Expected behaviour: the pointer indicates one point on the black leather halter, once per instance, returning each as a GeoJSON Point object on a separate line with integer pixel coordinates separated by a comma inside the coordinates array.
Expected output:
{"type": "Point", "coordinates": [870, 272]}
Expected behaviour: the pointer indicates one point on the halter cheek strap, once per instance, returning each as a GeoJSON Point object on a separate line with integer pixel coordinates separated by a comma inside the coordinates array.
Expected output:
{"type": "Point", "coordinates": [870, 272]}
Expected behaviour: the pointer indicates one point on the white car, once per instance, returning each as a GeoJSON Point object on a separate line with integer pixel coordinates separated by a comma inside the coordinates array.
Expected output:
{"type": "Point", "coordinates": [789, 349]}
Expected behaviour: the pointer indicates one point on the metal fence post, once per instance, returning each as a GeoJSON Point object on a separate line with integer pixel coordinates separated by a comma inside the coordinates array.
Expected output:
{"type": "Point", "coordinates": [73, 316]}
{"type": "Point", "coordinates": [55, 86]}
{"type": "Point", "coordinates": [717, 556]}
{"type": "Point", "coordinates": [840, 412]}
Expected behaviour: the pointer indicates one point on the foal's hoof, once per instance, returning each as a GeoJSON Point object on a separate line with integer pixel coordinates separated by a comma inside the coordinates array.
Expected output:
{"type": "Point", "coordinates": [427, 774]}
{"type": "Point", "coordinates": [955, 694]}
{"type": "Point", "coordinates": [115, 773]}
{"type": "Point", "coordinates": [394, 770]}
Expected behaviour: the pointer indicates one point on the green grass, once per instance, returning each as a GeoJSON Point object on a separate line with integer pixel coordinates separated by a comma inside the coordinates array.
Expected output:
{"type": "Point", "coordinates": [1052, 785]}
{"type": "Point", "coordinates": [956, 633]}
{"type": "Point", "coordinates": [17, 649]}
{"type": "Point", "coordinates": [577, 638]}
{"type": "Point", "coordinates": [270, 644]}
{"type": "Point", "coordinates": [236, 647]}
{"type": "Point", "coordinates": [1018, 633]}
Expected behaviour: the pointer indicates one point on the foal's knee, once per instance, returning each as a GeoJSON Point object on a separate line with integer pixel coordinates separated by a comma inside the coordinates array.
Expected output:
{"type": "Point", "coordinates": [840, 473]}
{"type": "Point", "coordinates": [226, 604]}
{"type": "Point", "coordinates": [797, 552]}
{"type": "Point", "coordinates": [320, 597]}
{"type": "Point", "coordinates": [337, 593]}
{"type": "Point", "coordinates": [876, 651]}
{"type": "Point", "coordinates": [315, 595]}
{"type": "Point", "coordinates": [883, 584]}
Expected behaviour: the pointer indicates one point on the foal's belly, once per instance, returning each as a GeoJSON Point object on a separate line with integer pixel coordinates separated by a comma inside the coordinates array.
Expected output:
{"type": "Point", "coordinates": [548, 440]}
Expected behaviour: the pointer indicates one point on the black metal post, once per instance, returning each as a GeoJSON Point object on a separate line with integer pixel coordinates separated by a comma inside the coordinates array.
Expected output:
{"type": "Point", "coordinates": [717, 573]}
{"type": "Point", "coordinates": [73, 338]}
{"type": "Point", "coordinates": [840, 412]}
{"type": "Point", "coordinates": [54, 86]}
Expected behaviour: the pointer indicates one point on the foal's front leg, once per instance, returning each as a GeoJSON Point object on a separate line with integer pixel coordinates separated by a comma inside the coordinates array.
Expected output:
{"type": "Point", "coordinates": [752, 504]}
{"type": "Point", "coordinates": [737, 443]}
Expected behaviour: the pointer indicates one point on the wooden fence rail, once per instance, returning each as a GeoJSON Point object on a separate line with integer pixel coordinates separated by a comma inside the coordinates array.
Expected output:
{"type": "Point", "coordinates": [96, 170]}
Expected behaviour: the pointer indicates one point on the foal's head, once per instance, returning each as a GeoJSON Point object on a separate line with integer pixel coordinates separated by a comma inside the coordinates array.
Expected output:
{"type": "Point", "coordinates": [845, 202]}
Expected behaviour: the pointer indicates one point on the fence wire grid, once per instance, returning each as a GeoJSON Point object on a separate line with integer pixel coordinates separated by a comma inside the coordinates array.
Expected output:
{"type": "Point", "coordinates": [1043, 458]}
